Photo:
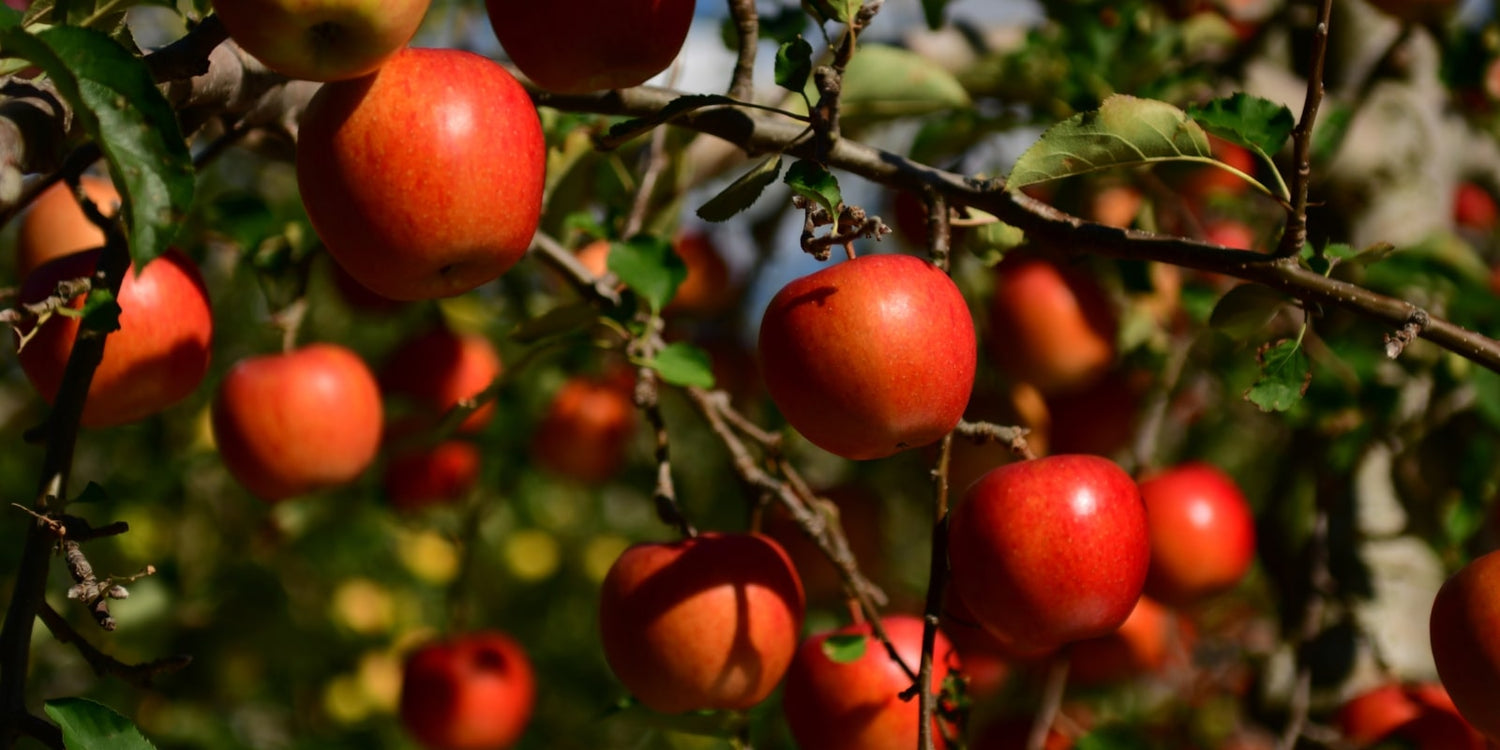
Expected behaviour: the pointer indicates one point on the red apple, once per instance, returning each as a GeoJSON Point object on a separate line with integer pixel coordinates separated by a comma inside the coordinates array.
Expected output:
{"type": "Point", "coordinates": [709, 622]}
{"type": "Point", "coordinates": [586, 430]}
{"type": "Point", "coordinates": [1229, 233]}
{"type": "Point", "coordinates": [1050, 327]}
{"type": "Point", "coordinates": [1140, 646]}
{"type": "Point", "coordinates": [54, 225]}
{"type": "Point", "coordinates": [425, 179]}
{"type": "Point", "coordinates": [1423, 715]}
{"type": "Point", "coordinates": [856, 704]}
{"type": "Point", "coordinates": [1202, 533]}
{"type": "Point", "coordinates": [290, 424]}
{"type": "Point", "coordinates": [443, 473]}
{"type": "Point", "coordinates": [1474, 207]}
{"type": "Point", "coordinates": [705, 290]}
{"type": "Point", "coordinates": [157, 357]}
{"type": "Point", "coordinates": [1051, 550]}
{"type": "Point", "coordinates": [436, 369]}
{"type": "Point", "coordinates": [871, 356]}
{"type": "Point", "coordinates": [1101, 417]}
{"type": "Point", "coordinates": [321, 40]}
{"type": "Point", "coordinates": [1116, 206]}
{"type": "Point", "coordinates": [469, 692]}
{"type": "Point", "coordinates": [1465, 618]}
{"type": "Point", "coordinates": [585, 46]}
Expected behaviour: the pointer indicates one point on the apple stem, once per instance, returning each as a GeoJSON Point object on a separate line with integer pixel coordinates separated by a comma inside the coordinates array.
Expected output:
{"type": "Point", "coordinates": [289, 320]}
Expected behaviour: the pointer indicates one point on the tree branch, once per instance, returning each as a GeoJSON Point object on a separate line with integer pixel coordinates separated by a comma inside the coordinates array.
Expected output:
{"type": "Point", "coordinates": [747, 28]}
{"type": "Point", "coordinates": [1294, 236]}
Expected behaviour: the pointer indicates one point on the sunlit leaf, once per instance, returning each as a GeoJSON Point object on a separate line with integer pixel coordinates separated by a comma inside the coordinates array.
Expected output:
{"type": "Point", "coordinates": [685, 365]}
{"type": "Point", "coordinates": [883, 81]}
{"type": "Point", "coordinates": [1285, 373]}
{"type": "Point", "coordinates": [1124, 131]}
{"type": "Point", "coordinates": [816, 184]}
{"type": "Point", "coordinates": [1247, 120]}
{"type": "Point", "coordinates": [647, 264]}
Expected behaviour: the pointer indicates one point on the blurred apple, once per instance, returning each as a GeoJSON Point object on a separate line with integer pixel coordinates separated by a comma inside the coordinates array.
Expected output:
{"type": "Point", "coordinates": [438, 368]}
{"type": "Point", "coordinates": [1474, 208]}
{"type": "Point", "coordinates": [586, 429]}
{"type": "Point", "coordinates": [1140, 646]}
{"type": "Point", "coordinates": [437, 475]}
{"type": "Point", "coordinates": [468, 692]}
{"type": "Point", "coordinates": [1116, 205]}
{"type": "Point", "coordinates": [55, 225]}
{"type": "Point", "coordinates": [574, 48]}
{"type": "Point", "coordinates": [1049, 326]}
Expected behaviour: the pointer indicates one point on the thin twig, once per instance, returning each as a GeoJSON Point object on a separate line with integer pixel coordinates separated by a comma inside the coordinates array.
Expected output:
{"type": "Point", "coordinates": [747, 30]}
{"type": "Point", "coordinates": [1012, 437]}
{"type": "Point", "coordinates": [1052, 696]}
{"type": "Point", "coordinates": [138, 675]}
{"type": "Point", "coordinates": [937, 582]}
{"type": "Point", "coordinates": [1294, 236]}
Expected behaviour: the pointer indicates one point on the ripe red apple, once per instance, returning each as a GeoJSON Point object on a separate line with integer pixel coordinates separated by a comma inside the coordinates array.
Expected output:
{"type": "Point", "coordinates": [1101, 418]}
{"type": "Point", "coordinates": [468, 692]}
{"type": "Point", "coordinates": [586, 430]}
{"type": "Point", "coordinates": [573, 48]}
{"type": "Point", "coordinates": [1139, 646]}
{"type": "Point", "coordinates": [1051, 550]}
{"type": "Point", "coordinates": [290, 424]}
{"type": "Point", "coordinates": [157, 357]}
{"type": "Point", "coordinates": [425, 179]}
{"type": "Point", "coordinates": [321, 40]}
{"type": "Point", "coordinates": [54, 225]}
{"type": "Point", "coordinates": [436, 369]}
{"type": "Point", "coordinates": [1050, 327]}
{"type": "Point", "coordinates": [1202, 533]}
{"type": "Point", "coordinates": [436, 475]}
{"type": "Point", "coordinates": [709, 622]}
{"type": "Point", "coordinates": [856, 705]}
{"type": "Point", "coordinates": [1474, 207]}
{"type": "Point", "coordinates": [1229, 233]}
{"type": "Point", "coordinates": [1465, 618]}
{"type": "Point", "coordinates": [870, 356]}
{"type": "Point", "coordinates": [1423, 715]}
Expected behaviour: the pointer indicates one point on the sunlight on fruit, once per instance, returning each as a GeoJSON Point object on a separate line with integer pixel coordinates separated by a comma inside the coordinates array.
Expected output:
{"type": "Point", "coordinates": [380, 675]}
{"type": "Point", "coordinates": [600, 553]}
{"type": "Point", "coordinates": [363, 606]}
{"type": "Point", "coordinates": [345, 701]}
{"type": "Point", "coordinates": [428, 556]}
{"type": "Point", "coordinates": [531, 554]}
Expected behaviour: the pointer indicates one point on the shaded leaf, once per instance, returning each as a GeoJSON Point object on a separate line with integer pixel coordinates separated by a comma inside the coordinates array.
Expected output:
{"type": "Point", "coordinates": [816, 184]}
{"type": "Point", "coordinates": [647, 264]}
{"type": "Point", "coordinates": [722, 724]}
{"type": "Point", "coordinates": [1115, 737]}
{"type": "Point", "coordinates": [92, 493]}
{"type": "Point", "coordinates": [101, 312]}
{"type": "Point", "coordinates": [794, 64]}
{"type": "Point", "coordinates": [742, 193]}
{"type": "Point", "coordinates": [932, 13]}
{"type": "Point", "coordinates": [990, 242]}
{"type": "Point", "coordinates": [624, 131]}
{"type": "Point", "coordinates": [1247, 120]}
{"type": "Point", "coordinates": [845, 648]}
{"type": "Point", "coordinates": [555, 322]}
{"type": "Point", "coordinates": [1245, 310]}
{"type": "Point", "coordinates": [87, 725]}
{"type": "Point", "coordinates": [884, 81]}
{"type": "Point", "coordinates": [685, 365]}
{"type": "Point", "coordinates": [1285, 373]}
{"type": "Point", "coordinates": [115, 99]}
{"type": "Point", "coordinates": [1124, 131]}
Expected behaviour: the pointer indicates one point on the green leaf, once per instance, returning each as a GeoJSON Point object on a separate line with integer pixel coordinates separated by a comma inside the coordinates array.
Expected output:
{"type": "Point", "coordinates": [990, 242]}
{"type": "Point", "coordinates": [794, 65]}
{"type": "Point", "coordinates": [1328, 134]}
{"type": "Point", "coordinates": [1285, 373]}
{"type": "Point", "coordinates": [685, 365]}
{"type": "Point", "coordinates": [115, 99]}
{"type": "Point", "coordinates": [1124, 131]}
{"type": "Point", "coordinates": [932, 13]}
{"type": "Point", "coordinates": [1247, 120]}
{"type": "Point", "coordinates": [884, 82]}
{"type": "Point", "coordinates": [1116, 737]}
{"type": "Point", "coordinates": [832, 10]}
{"type": "Point", "coordinates": [784, 26]}
{"type": "Point", "coordinates": [585, 223]}
{"type": "Point", "coordinates": [843, 649]}
{"type": "Point", "coordinates": [721, 724]}
{"type": "Point", "coordinates": [624, 131]}
{"type": "Point", "coordinates": [9, 17]}
{"type": "Point", "coordinates": [648, 265]}
{"type": "Point", "coordinates": [92, 493]}
{"type": "Point", "coordinates": [555, 322]}
{"type": "Point", "coordinates": [816, 184]}
{"type": "Point", "coordinates": [1246, 310]}
{"type": "Point", "coordinates": [742, 193]}
{"type": "Point", "coordinates": [1487, 394]}
{"type": "Point", "coordinates": [101, 312]}
{"type": "Point", "coordinates": [87, 725]}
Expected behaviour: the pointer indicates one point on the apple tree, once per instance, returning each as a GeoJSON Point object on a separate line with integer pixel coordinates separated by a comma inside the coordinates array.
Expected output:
{"type": "Point", "coordinates": [833, 374]}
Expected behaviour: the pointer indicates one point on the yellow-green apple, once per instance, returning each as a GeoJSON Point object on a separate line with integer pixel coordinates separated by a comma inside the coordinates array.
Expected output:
{"type": "Point", "coordinates": [871, 356]}
{"type": "Point", "coordinates": [158, 356]}
{"type": "Point", "coordinates": [424, 179]}
{"type": "Point", "coordinates": [1049, 326]}
{"type": "Point", "coordinates": [1465, 618]}
{"type": "Point", "coordinates": [55, 225]}
{"type": "Point", "coordinates": [709, 622]}
{"type": "Point", "coordinates": [1050, 550]}
{"type": "Point", "coordinates": [431, 475]}
{"type": "Point", "coordinates": [573, 48]}
{"type": "Point", "coordinates": [436, 369]}
{"type": "Point", "coordinates": [468, 692]}
{"type": "Point", "coordinates": [1202, 533]}
{"type": "Point", "coordinates": [833, 702]}
{"type": "Point", "coordinates": [586, 429]}
{"type": "Point", "coordinates": [289, 424]}
{"type": "Point", "coordinates": [321, 40]}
